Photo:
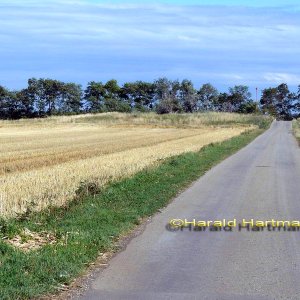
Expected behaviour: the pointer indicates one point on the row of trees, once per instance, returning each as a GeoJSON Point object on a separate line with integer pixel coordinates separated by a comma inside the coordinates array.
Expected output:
{"type": "Point", "coordinates": [51, 97]}
{"type": "Point", "coordinates": [280, 102]}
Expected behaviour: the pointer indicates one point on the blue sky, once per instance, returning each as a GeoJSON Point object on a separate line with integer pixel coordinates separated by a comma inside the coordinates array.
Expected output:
{"type": "Point", "coordinates": [257, 3]}
{"type": "Point", "coordinates": [256, 43]}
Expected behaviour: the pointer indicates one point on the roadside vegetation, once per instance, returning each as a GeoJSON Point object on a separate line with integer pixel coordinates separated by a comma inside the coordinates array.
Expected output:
{"type": "Point", "coordinates": [296, 127]}
{"type": "Point", "coordinates": [42, 252]}
{"type": "Point", "coordinates": [182, 120]}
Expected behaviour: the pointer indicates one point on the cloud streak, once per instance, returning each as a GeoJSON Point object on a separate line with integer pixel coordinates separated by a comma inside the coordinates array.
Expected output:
{"type": "Point", "coordinates": [81, 41]}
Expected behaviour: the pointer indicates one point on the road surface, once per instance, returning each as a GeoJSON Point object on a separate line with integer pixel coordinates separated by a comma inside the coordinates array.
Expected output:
{"type": "Point", "coordinates": [262, 181]}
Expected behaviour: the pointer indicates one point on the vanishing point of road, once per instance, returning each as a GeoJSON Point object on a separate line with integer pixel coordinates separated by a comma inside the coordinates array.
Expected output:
{"type": "Point", "coordinates": [262, 181]}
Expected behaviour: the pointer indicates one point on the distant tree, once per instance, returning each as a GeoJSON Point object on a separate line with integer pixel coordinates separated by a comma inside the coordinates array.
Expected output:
{"type": "Point", "coordinates": [279, 102]}
{"type": "Point", "coordinates": [188, 96]}
{"type": "Point", "coordinates": [208, 98]}
{"type": "Point", "coordinates": [111, 105]}
{"type": "Point", "coordinates": [145, 95]}
{"type": "Point", "coordinates": [112, 90]}
{"type": "Point", "coordinates": [223, 103]}
{"type": "Point", "coordinates": [52, 91]}
{"type": "Point", "coordinates": [268, 101]}
{"type": "Point", "coordinates": [284, 102]}
{"type": "Point", "coordinates": [45, 93]}
{"type": "Point", "coordinates": [128, 93]}
{"type": "Point", "coordinates": [167, 96]}
{"type": "Point", "coordinates": [35, 91]}
{"type": "Point", "coordinates": [162, 88]}
{"type": "Point", "coordinates": [71, 95]}
{"type": "Point", "coordinates": [12, 105]}
{"type": "Point", "coordinates": [139, 95]}
{"type": "Point", "coordinates": [14, 109]}
{"type": "Point", "coordinates": [297, 104]}
{"type": "Point", "coordinates": [44, 97]}
{"type": "Point", "coordinates": [94, 96]}
{"type": "Point", "coordinates": [26, 109]}
{"type": "Point", "coordinates": [113, 100]}
{"type": "Point", "coordinates": [5, 98]}
{"type": "Point", "coordinates": [249, 107]}
{"type": "Point", "coordinates": [239, 95]}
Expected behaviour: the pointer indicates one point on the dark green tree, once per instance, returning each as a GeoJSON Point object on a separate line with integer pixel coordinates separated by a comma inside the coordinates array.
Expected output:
{"type": "Point", "coordinates": [249, 107]}
{"type": "Point", "coordinates": [94, 96]}
{"type": "Point", "coordinates": [45, 93]}
{"type": "Point", "coordinates": [279, 102]}
{"type": "Point", "coordinates": [35, 91]}
{"type": "Point", "coordinates": [139, 94]}
{"type": "Point", "coordinates": [297, 104]}
{"type": "Point", "coordinates": [27, 105]}
{"type": "Point", "coordinates": [112, 90]}
{"type": "Point", "coordinates": [284, 102]}
{"type": "Point", "coordinates": [71, 95]}
{"type": "Point", "coordinates": [223, 103]}
{"type": "Point", "coordinates": [188, 96]}
{"type": "Point", "coordinates": [5, 99]}
{"type": "Point", "coordinates": [268, 101]}
{"type": "Point", "coordinates": [208, 97]}
{"type": "Point", "coordinates": [238, 95]}
{"type": "Point", "coordinates": [167, 96]}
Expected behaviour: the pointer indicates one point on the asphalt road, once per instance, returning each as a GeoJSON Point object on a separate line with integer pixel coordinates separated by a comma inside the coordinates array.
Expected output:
{"type": "Point", "coordinates": [262, 181]}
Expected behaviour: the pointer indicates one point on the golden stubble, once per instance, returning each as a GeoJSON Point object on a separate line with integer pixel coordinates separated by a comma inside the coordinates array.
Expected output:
{"type": "Point", "coordinates": [46, 165]}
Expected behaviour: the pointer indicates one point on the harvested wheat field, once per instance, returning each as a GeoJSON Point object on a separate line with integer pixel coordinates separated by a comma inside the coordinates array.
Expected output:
{"type": "Point", "coordinates": [48, 162]}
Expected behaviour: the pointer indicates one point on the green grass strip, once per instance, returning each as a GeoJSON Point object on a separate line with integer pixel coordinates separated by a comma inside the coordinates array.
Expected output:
{"type": "Point", "coordinates": [296, 129]}
{"type": "Point", "coordinates": [91, 225]}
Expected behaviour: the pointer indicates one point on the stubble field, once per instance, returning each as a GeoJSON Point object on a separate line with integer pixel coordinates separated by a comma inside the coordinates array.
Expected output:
{"type": "Point", "coordinates": [50, 162]}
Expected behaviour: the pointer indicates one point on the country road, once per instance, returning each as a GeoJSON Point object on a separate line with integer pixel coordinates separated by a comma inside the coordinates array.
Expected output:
{"type": "Point", "coordinates": [262, 181]}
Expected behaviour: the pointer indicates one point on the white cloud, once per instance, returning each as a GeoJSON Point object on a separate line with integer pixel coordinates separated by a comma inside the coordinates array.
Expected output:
{"type": "Point", "coordinates": [139, 41]}
{"type": "Point", "coordinates": [278, 78]}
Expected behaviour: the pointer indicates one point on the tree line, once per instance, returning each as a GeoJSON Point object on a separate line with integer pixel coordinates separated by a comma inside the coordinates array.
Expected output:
{"type": "Point", "coordinates": [46, 97]}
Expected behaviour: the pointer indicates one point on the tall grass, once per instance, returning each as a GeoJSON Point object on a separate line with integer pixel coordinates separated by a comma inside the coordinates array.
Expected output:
{"type": "Point", "coordinates": [173, 120]}
{"type": "Point", "coordinates": [296, 127]}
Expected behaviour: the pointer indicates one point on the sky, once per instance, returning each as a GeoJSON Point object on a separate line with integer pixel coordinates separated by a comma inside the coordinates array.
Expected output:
{"type": "Point", "coordinates": [226, 43]}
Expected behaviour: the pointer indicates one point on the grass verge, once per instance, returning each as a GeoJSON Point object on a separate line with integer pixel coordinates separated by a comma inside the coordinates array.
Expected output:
{"type": "Point", "coordinates": [296, 128]}
{"type": "Point", "coordinates": [91, 225]}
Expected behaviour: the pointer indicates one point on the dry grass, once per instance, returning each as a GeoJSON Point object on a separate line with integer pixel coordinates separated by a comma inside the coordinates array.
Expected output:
{"type": "Point", "coordinates": [296, 127]}
{"type": "Point", "coordinates": [28, 240]}
{"type": "Point", "coordinates": [141, 119]}
{"type": "Point", "coordinates": [47, 162]}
